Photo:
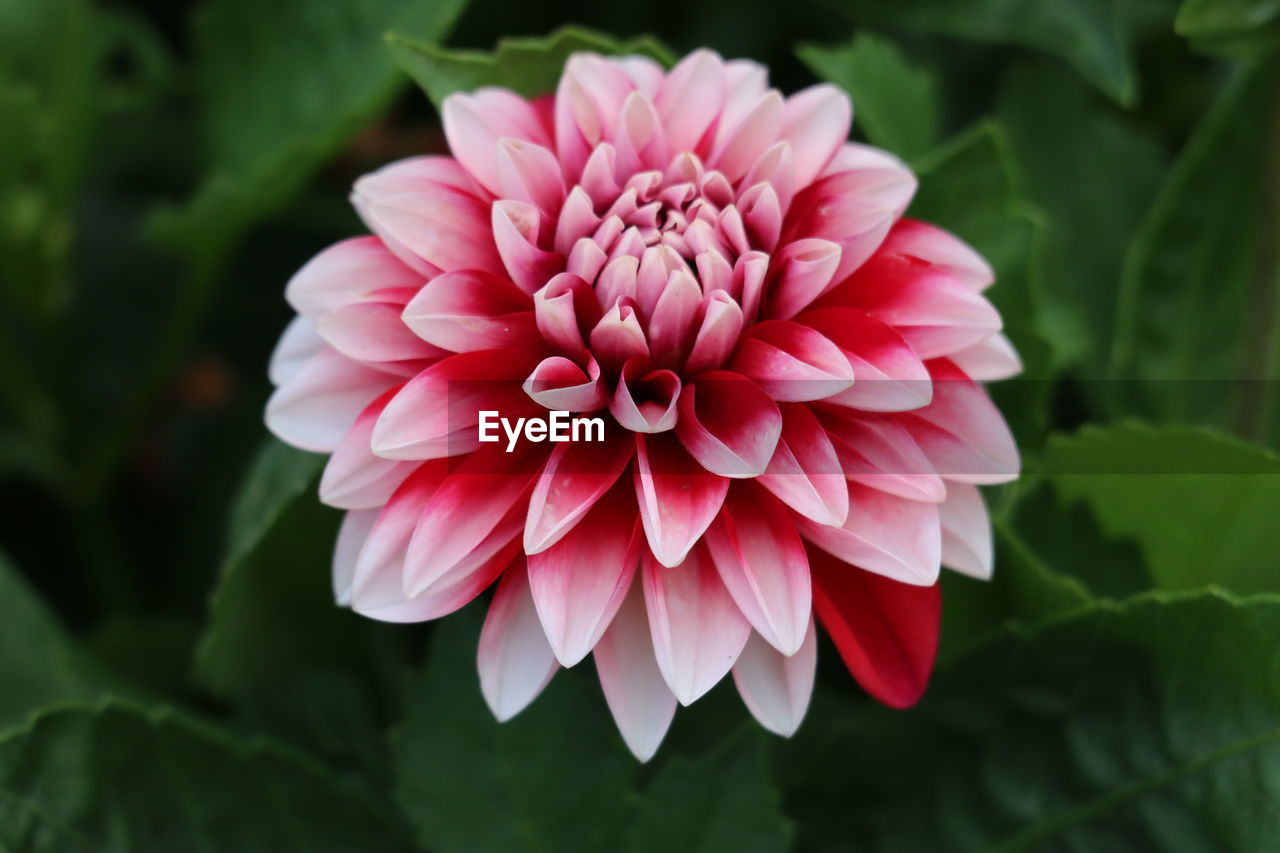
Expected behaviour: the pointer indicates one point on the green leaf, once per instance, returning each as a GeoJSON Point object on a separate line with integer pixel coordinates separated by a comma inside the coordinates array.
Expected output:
{"type": "Point", "coordinates": [39, 663]}
{"type": "Point", "coordinates": [285, 84]}
{"type": "Point", "coordinates": [1230, 24]}
{"type": "Point", "coordinates": [117, 778]}
{"type": "Point", "coordinates": [724, 800]}
{"type": "Point", "coordinates": [1148, 725]}
{"type": "Point", "coordinates": [1095, 36]}
{"type": "Point", "coordinates": [1202, 506]}
{"type": "Point", "coordinates": [1189, 293]}
{"type": "Point", "coordinates": [1093, 197]}
{"type": "Point", "coordinates": [554, 778]}
{"type": "Point", "coordinates": [530, 66]}
{"type": "Point", "coordinates": [895, 102]}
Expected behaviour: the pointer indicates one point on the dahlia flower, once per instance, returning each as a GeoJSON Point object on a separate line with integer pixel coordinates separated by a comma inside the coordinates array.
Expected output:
{"type": "Point", "coordinates": [787, 370]}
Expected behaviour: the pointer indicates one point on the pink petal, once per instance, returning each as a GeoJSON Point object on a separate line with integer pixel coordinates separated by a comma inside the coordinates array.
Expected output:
{"type": "Point", "coordinates": [656, 266]}
{"type": "Point", "coordinates": [371, 331]}
{"type": "Point", "coordinates": [354, 532]}
{"type": "Point", "coordinates": [645, 402]}
{"type": "Point", "coordinates": [696, 628]}
{"type": "Point", "coordinates": [888, 375]}
{"type": "Point", "coordinates": [437, 413]}
{"type": "Point", "coordinates": [762, 216]}
{"type": "Point", "coordinates": [295, 348]}
{"type": "Point", "coordinates": [881, 453]}
{"type": "Point", "coordinates": [777, 168]}
{"type": "Point", "coordinates": [346, 272]}
{"type": "Point", "coordinates": [470, 310]}
{"type": "Point", "coordinates": [639, 138]}
{"type": "Point", "coordinates": [516, 229]}
{"type": "Point", "coordinates": [892, 536]}
{"type": "Point", "coordinates": [805, 471]}
{"type": "Point", "coordinates": [588, 99]}
{"type": "Point", "coordinates": [742, 145]}
{"type": "Point", "coordinates": [804, 272]}
{"type": "Point", "coordinates": [443, 227]}
{"type": "Point", "coordinates": [474, 123]}
{"type": "Point", "coordinates": [576, 476]}
{"type": "Point", "coordinates": [774, 687]}
{"type": "Point", "coordinates": [561, 385]}
{"type": "Point", "coordinates": [762, 562]}
{"type": "Point", "coordinates": [318, 404]}
{"type": "Point", "coordinates": [672, 324]}
{"type": "Point", "coordinates": [618, 338]}
{"type": "Point", "coordinates": [717, 334]}
{"type": "Point", "coordinates": [563, 309]}
{"type": "Point", "coordinates": [513, 656]}
{"type": "Point", "coordinates": [728, 424]}
{"type": "Point", "coordinates": [691, 98]}
{"type": "Point", "coordinates": [353, 477]}
{"type": "Point", "coordinates": [529, 173]}
{"type": "Point", "coordinates": [962, 432]}
{"type": "Point", "coordinates": [816, 123]}
{"type": "Point", "coordinates": [966, 531]}
{"type": "Point", "coordinates": [792, 362]}
{"type": "Point", "coordinates": [579, 582]}
{"type": "Point", "coordinates": [991, 360]}
{"type": "Point", "coordinates": [577, 220]}
{"type": "Point", "coordinates": [678, 499]}
{"type": "Point", "coordinates": [641, 704]}
{"type": "Point", "coordinates": [932, 245]}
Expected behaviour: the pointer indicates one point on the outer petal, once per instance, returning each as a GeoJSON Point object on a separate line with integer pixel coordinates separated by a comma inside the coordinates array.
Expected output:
{"type": "Point", "coordinates": [888, 375]}
{"type": "Point", "coordinates": [690, 99]}
{"type": "Point", "coordinates": [961, 431]}
{"type": "Point", "coordinates": [513, 657]}
{"type": "Point", "coordinates": [473, 124]}
{"type": "Point", "coordinates": [880, 453]}
{"type": "Point", "coordinates": [774, 687]}
{"type": "Point", "coordinates": [353, 477]}
{"type": "Point", "coordinates": [372, 332]}
{"type": "Point", "coordinates": [762, 562]}
{"type": "Point", "coordinates": [697, 629]}
{"type": "Point", "coordinates": [991, 360]}
{"type": "Point", "coordinates": [678, 498]}
{"type": "Point", "coordinates": [885, 534]}
{"type": "Point", "coordinates": [295, 348]}
{"type": "Point", "coordinates": [886, 632]}
{"type": "Point", "coordinates": [578, 583]}
{"type": "Point", "coordinates": [816, 122]}
{"type": "Point", "coordinates": [641, 704]}
{"type": "Point", "coordinates": [966, 531]}
{"type": "Point", "coordinates": [354, 532]}
{"type": "Point", "coordinates": [933, 245]}
{"type": "Point", "coordinates": [318, 404]}
{"type": "Point", "coordinates": [793, 362]}
{"type": "Point", "coordinates": [346, 272]}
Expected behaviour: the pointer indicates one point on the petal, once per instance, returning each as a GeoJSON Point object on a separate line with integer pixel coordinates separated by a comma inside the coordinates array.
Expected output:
{"type": "Point", "coordinates": [805, 471]}
{"type": "Point", "coordinates": [966, 531]}
{"type": "Point", "coordinates": [563, 309]}
{"type": "Point", "coordinates": [516, 229]}
{"type": "Point", "coordinates": [762, 562]}
{"type": "Point", "coordinates": [579, 582]}
{"type": "Point", "coordinates": [882, 454]}
{"type": "Point", "coordinates": [354, 532]}
{"type": "Point", "coordinates": [935, 246]}
{"type": "Point", "coordinates": [478, 508]}
{"type": "Point", "coordinates": [673, 322]}
{"type": "Point", "coordinates": [513, 657]}
{"type": "Point", "coordinates": [529, 173]}
{"type": "Point", "coordinates": [437, 413]}
{"type": "Point", "coordinates": [886, 632]}
{"type": "Point", "coordinates": [354, 478]}
{"type": "Point", "coordinates": [728, 424]}
{"type": "Point", "coordinates": [678, 498]}
{"type": "Point", "coordinates": [792, 362]}
{"type": "Point", "coordinates": [318, 404]}
{"type": "Point", "coordinates": [345, 272]}
{"type": "Point", "coordinates": [372, 332]}
{"type": "Point", "coordinates": [697, 629]}
{"type": "Point", "coordinates": [717, 334]}
{"type": "Point", "coordinates": [775, 687]}
{"type": "Point", "coordinates": [561, 385]}
{"type": "Point", "coordinates": [618, 338]}
{"type": "Point", "coordinates": [690, 99]}
{"type": "Point", "coordinates": [638, 697]}
{"type": "Point", "coordinates": [804, 272]}
{"type": "Point", "coordinates": [576, 476]}
{"type": "Point", "coordinates": [296, 347]}
{"type": "Point", "coordinates": [816, 123]}
{"type": "Point", "coordinates": [885, 534]}
{"type": "Point", "coordinates": [645, 402]}
{"type": "Point", "coordinates": [991, 360]}
{"type": "Point", "coordinates": [473, 124]}
{"type": "Point", "coordinates": [888, 375]}
{"type": "Point", "coordinates": [471, 310]}
{"type": "Point", "coordinates": [741, 146]}
{"type": "Point", "coordinates": [961, 431]}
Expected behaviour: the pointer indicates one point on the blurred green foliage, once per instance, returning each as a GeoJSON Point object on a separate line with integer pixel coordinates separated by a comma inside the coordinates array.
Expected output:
{"type": "Point", "coordinates": [173, 673]}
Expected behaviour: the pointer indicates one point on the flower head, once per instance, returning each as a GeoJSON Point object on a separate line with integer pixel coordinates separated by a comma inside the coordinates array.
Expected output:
{"type": "Point", "coordinates": [785, 368]}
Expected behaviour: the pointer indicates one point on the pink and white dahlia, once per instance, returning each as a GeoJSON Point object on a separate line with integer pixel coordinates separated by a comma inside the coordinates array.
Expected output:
{"type": "Point", "coordinates": [785, 370]}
